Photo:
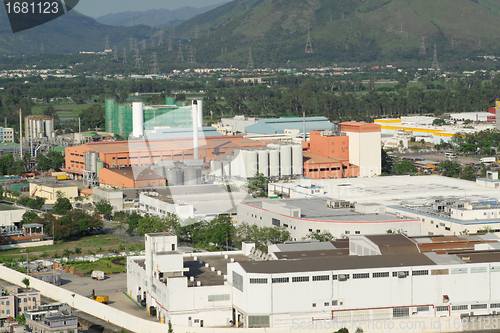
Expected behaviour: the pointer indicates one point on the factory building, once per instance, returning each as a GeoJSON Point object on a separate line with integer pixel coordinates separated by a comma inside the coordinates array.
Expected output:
{"type": "Point", "coordinates": [128, 177]}
{"type": "Point", "coordinates": [340, 218]}
{"type": "Point", "coordinates": [6, 134]}
{"type": "Point", "coordinates": [133, 119]}
{"type": "Point", "coordinates": [279, 125]}
{"type": "Point", "coordinates": [38, 127]}
{"type": "Point", "coordinates": [313, 283]}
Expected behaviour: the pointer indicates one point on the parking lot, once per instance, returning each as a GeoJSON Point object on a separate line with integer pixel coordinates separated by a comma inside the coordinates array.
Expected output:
{"type": "Point", "coordinates": [114, 286]}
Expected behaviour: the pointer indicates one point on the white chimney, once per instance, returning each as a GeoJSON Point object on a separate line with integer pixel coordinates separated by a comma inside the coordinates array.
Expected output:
{"type": "Point", "coordinates": [200, 113]}
{"type": "Point", "coordinates": [194, 115]}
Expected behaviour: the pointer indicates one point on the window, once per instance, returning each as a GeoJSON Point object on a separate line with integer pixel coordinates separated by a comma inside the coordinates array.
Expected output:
{"type": "Point", "coordinates": [34, 299]}
{"type": "Point", "coordinates": [281, 280]}
{"type": "Point", "coordinates": [219, 298]}
{"type": "Point", "coordinates": [300, 279]}
{"type": "Point", "coordinates": [334, 277]}
{"type": "Point", "coordinates": [347, 232]}
{"type": "Point", "coordinates": [380, 274]}
{"type": "Point", "coordinates": [440, 271]}
{"type": "Point", "coordinates": [258, 281]}
{"type": "Point", "coordinates": [459, 307]}
{"type": "Point", "coordinates": [321, 278]}
{"type": "Point", "coordinates": [276, 222]}
{"type": "Point", "coordinates": [258, 321]}
{"type": "Point", "coordinates": [441, 308]}
{"type": "Point", "coordinates": [400, 312]}
{"type": "Point", "coordinates": [422, 308]}
{"type": "Point", "coordinates": [361, 276]}
{"type": "Point", "coordinates": [357, 232]}
{"type": "Point", "coordinates": [25, 308]}
{"type": "Point", "coordinates": [494, 305]}
{"type": "Point", "coordinates": [459, 270]}
{"type": "Point", "coordinates": [421, 272]}
{"type": "Point", "coordinates": [314, 305]}
{"type": "Point", "coordinates": [237, 281]}
{"type": "Point", "coordinates": [478, 306]}
{"type": "Point", "coordinates": [327, 304]}
{"type": "Point", "coordinates": [478, 269]}
{"type": "Point", "coordinates": [335, 302]}
{"type": "Point", "coordinates": [19, 300]}
{"type": "Point", "coordinates": [8, 311]}
{"type": "Point", "coordinates": [7, 303]}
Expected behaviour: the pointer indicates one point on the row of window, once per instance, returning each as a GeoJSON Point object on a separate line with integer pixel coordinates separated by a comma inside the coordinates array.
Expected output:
{"type": "Point", "coordinates": [25, 299]}
{"type": "Point", "coordinates": [334, 303]}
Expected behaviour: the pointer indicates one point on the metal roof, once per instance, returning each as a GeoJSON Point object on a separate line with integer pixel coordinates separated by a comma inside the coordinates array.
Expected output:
{"type": "Point", "coordinates": [305, 246]}
{"type": "Point", "coordinates": [278, 126]}
{"type": "Point", "coordinates": [336, 263]}
{"type": "Point", "coordinates": [393, 244]}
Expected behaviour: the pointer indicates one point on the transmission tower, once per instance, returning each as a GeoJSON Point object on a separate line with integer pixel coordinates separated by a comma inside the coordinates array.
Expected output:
{"type": "Point", "coordinates": [155, 64]}
{"type": "Point", "coordinates": [131, 44]}
{"type": "Point", "coordinates": [106, 41]}
{"type": "Point", "coordinates": [196, 32]}
{"type": "Point", "coordinates": [170, 44]}
{"type": "Point", "coordinates": [423, 49]}
{"type": "Point", "coordinates": [124, 55]}
{"type": "Point", "coordinates": [41, 48]}
{"type": "Point", "coordinates": [137, 59]}
{"type": "Point", "coordinates": [180, 56]}
{"type": "Point", "coordinates": [191, 58]}
{"type": "Point", "coordinates": [435, 64]}
{"type": "Point", "coordinates": [135, 45]}
{"type": "Point", "coordinates": [115, 54]}
{"type": "Point", "coordinates": [309, 48]}
{"type": "Point", "coordinates": [250, 61]}
{"type": "Point", "coordinates": [143, 44]}
{"type": "Point", "coordinates": [160, 40]}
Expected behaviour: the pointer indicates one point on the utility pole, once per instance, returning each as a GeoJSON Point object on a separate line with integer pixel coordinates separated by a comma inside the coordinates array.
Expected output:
{"type": "Point", "coordinates": [250, 65]}
{"type": "Point", "coordinates": [309, 48]}
{"type": "Point", "coordinates": [423, 49]}
{"type": "Point", "coordinates": [143, 44]}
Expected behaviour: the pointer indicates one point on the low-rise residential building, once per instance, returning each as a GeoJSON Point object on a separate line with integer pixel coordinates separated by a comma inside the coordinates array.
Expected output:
{"type": "Point", "coordinates": [15, 301]}
{"type": "Point", "coordinates": [55, 318]}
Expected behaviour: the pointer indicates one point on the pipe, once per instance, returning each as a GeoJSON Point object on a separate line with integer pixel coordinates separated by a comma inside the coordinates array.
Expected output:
{"type": "Point", "coordinates": [194, 115]}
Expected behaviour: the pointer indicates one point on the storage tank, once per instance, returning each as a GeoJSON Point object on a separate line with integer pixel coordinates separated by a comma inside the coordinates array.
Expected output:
{"type": "Point", "coordinates": [274, 163]}
{"type": "Point", "coordinates": [100, 165]}
{"type": "Point", "coordinates": [91, 158]}
{"type": "Point", "coordinates": [174, 177]}
{"type": "Point", "coordinates": [49, 127]}
{"type": "Point", "coordinates": [252, 165]}
{"type": "Point", "coordinates": [192, 176]}
{"type": "Point", "coordinates": [264, 162]}
{"type": "Point", "coordinates": [227, 169]}
{"type": "Point", "coordinates": [137, 119]}
{"type": "Point", "coordinates": [236, 163]}
{"type": "Point", "coordinates": [297, 160]}
{"type": "Point", "coordinates": [286, 160]}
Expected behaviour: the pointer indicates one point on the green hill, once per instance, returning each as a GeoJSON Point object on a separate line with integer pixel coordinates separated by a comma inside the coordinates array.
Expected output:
{"type": "Point", "coordinates": [348, 31]}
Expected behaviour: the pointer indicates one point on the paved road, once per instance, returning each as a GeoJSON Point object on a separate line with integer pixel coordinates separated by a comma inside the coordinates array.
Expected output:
{"type": "Point", "coordinates": [439, 157]}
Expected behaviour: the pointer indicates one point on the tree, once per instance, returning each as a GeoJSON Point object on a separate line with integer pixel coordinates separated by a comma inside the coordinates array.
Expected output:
{"type": "Point", "coordinates": [43, 162]}
{"type": "Point", "coordinates": [469, 173]}
{"type": "Point", "coordinates": [386, 162]}
{"type": "Point", "coordinates": [170, 329]}
{"type": "Point", "coordinates": [56, 159]}
{"type": "Point", "coordinates": [26, 282]}
{"type": "Point", "coordinates": [62, 206]}
{"type": "Point", "coordinates": [28, 217]}
{"type": "Point", "coordinates": [397, 231]}
{"type": "Point", "coordinates": [149, 224]}
{"type": "Point", "coordinates": [403, 167]}
{"type": "Point", "coordinates": [322, 236]}
{"type": "Point", "coordinates": [258, 184]}
{"type": "Point", "coordinates": [449, 169]}
{"type": "Point", "coordinates": [104, 208]}
{"type": "Point", "coordinates": [132, 221]}
{"type": "Point", "coordinates": [438, 122]}
{"type": "Point", "coordinates": [21, 319]}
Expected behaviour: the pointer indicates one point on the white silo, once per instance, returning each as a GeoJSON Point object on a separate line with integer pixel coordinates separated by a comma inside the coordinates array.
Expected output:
{"type": "Point", "coordinates": [286, 160]}
{"type": "Point", "coordinates": [227, 169]}
{"type": "Point", "coordinates": [236, 164]}
{"type": "Point", "coordinates": [137, 119]}
{"type": "Point", "coordinates": [274, 163]}
{"type": "Point", "coordinates": [264, 162]}
{"type": "Point", "coordinates": [297, 160]}
{"type": "Point", "coordinates": [200, 113]}
{"type": "Point", "coordinates": [252, 163]}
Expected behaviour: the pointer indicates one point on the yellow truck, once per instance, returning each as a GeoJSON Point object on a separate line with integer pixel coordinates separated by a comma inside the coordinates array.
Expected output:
{"type": "Point", "coordinates": [62, 177]}
{"type": "Point", "coordinates": [100, 298]}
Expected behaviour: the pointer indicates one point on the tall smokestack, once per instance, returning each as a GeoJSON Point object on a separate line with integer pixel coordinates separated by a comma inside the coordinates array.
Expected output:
{"type": "Point", "coordinates": [194, 115]}
{"type": "Point", "coordinates": [304, 124]}
{"type": "Point", "coordinates": [200, 113]}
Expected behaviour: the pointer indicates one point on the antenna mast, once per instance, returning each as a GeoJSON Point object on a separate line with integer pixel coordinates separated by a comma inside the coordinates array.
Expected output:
{"type": "Point", "coordinates": [106, 46]}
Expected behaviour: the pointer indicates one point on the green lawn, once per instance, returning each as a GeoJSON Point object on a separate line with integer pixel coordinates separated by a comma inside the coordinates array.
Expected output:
{"type": "Point", "coordinates": [75, 108]}
{"type": "Point", "coordinates": [107, 265]}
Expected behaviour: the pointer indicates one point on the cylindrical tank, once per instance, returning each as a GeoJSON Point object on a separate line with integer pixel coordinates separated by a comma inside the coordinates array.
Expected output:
{"type": "Point", "coordinates": [215, 168]}
{"type": "Point", "coordinates": [100, 165]}
{"type": "Point", "coordinates": [252, 165]}
{"type": "Point", "coordinates": [174, 177]}
{"type": "Point", "coordinates": [264, 162]}
{"type": "Point", "coordinates": [243, 163]}
{"type": "Point", "coordinates": [286, 160]}
{"type": "Point", "coordinates": [200, 113]}
{"type": "Point", "coordinates": [39, 127]}
{"type": "Point", "coordinates": [297, 160]}
{"type": "Point", "coordinates": [236, 163]}
{"type": "Point", "coordinates": [274, 163]}
{"type": "Point", "coordinates": [226, 166]}
{"type": "Point", "coordinates": [91, 158]}
{"type": "Point", "coordinates": [192, 176]}
{"type": "Point", "coordinates": [137, 119]}
{"type": "Point", "coordinates": [49, 127]}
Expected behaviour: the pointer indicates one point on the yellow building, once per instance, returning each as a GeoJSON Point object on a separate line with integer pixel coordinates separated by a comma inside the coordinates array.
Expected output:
{"type": "Point", "coordinates": [50, 190]}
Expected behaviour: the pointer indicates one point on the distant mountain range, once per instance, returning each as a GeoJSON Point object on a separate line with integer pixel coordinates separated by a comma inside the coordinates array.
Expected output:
{"type": "Point", "coordinates": [155, 17]}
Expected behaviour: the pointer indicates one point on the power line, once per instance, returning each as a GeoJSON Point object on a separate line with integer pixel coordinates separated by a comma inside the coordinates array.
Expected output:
{"type": "Point", "coordinates": [309, 48]}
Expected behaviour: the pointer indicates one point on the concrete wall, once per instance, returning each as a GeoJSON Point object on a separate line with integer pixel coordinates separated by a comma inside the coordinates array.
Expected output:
{"type": "Point", "coordinates": [26, 245]}
{"type": "Point", "coordinates": [9, 217]}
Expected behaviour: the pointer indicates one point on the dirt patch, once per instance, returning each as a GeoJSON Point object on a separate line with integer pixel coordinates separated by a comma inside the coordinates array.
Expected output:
{"type": "Point", "coordinates": [119, 261]}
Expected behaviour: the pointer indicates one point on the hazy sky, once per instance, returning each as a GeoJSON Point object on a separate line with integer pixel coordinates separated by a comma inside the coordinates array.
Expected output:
{"type": "Point", "coordinates": [96, 8]}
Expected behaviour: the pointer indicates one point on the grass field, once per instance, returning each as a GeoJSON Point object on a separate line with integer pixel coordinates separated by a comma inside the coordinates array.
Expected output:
{"type": "Point", "coordinates": [107, 265]}
{"type": "Point", "coordinates": [96, 244]}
